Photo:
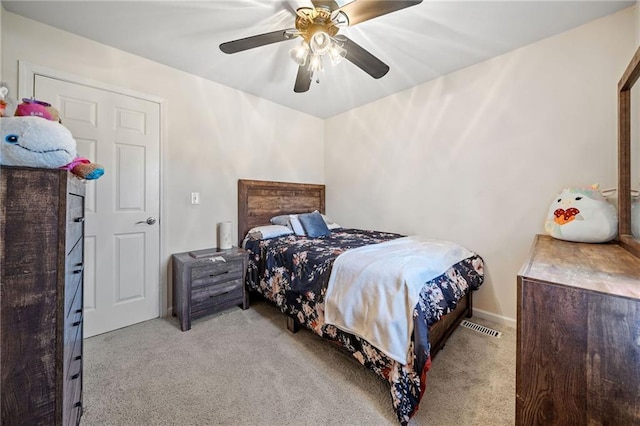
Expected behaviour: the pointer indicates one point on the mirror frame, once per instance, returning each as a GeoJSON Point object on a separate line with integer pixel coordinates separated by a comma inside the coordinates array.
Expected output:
{"type": "Point", "coordinates": [625, 84]}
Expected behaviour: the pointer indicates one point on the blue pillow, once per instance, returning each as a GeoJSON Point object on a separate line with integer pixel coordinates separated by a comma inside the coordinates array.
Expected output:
{"type": "Point", "coordinates": [314, 225]}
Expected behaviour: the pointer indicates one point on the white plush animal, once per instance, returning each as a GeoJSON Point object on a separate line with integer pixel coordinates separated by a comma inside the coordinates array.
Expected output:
{"type": "Point", "coordinates": [35, 142]}
{"type": "Point", "coordinates": [582, 215]}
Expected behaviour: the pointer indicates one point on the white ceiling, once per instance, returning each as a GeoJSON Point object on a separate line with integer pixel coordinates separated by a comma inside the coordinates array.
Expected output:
{"type": "Point", "coordinates": [418, 43]}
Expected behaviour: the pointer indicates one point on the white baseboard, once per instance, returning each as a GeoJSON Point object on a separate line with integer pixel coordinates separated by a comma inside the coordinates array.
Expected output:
{"type": "Point", "coordinates": [509, 322]}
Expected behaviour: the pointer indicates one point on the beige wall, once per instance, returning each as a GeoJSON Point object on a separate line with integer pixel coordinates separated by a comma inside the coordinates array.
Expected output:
{"type": "Point", "coordinates": [637, 22]}
{"type": "Point", "coordinates": [1, 13]}
{"type": "Point", "coordinates": [214, 134]}
{"type": "Point", "coordinates": [478, 155]}
{"type": "Point", "coordinates": [635, 117]}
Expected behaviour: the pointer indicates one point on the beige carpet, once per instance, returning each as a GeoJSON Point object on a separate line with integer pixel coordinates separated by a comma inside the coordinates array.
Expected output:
{"type": "Point", "coordinates": [244, 368]}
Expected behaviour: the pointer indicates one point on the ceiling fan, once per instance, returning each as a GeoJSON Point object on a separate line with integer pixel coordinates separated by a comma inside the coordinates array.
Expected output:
{"type": "Point", "coordinates": [318, 25]}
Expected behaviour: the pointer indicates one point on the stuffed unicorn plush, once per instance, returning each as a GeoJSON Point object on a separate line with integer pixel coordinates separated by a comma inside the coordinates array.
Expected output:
{"type": "Point", "coordinates": [33, 141]}
{"type": "Point", "coordinates": [582, 215]}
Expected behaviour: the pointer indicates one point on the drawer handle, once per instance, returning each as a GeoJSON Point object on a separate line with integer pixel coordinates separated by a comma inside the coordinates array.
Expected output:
{"type": "Point", "coordinates": [216, 295]}
{"type": "Point", "coordinates": [221, 273]}
{"type": "Point", "coordinates": [77, 358]}
{"type": "Point", "coordinates": [77, 271]}
{"type": "Point", "coordinates": [77, 323]}
{"type": "Point", "coordinates": [75, 376]}
{"type": "Point", "coordinates": [79, 219]}
{"type": "Point", "coordinates": [77, 404]}
{"type": "Point", "coordinates": [79, 311]}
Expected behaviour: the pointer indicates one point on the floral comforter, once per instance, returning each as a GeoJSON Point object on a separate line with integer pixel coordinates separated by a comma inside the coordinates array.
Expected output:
{"type": "Point", "coordinates": [293, 272]}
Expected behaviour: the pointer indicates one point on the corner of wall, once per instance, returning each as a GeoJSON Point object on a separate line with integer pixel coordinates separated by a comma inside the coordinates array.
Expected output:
{"type": "Point", "coordinates": [637, 12]}
{"type": "Point", "coordinates": [1, 27]}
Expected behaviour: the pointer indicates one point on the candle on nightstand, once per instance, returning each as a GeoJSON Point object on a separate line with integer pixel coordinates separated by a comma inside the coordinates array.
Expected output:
{"type": "Point", "coordinates": [224, 235]}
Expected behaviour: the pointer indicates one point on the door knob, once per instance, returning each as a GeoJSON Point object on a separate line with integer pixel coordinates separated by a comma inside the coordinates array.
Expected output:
{"type": "Point", "coordinates": [150, 221]}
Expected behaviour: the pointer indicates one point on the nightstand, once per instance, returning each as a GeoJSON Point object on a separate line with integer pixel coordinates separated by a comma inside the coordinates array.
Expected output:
{"type": "Point", "coordinates": [208, 281]}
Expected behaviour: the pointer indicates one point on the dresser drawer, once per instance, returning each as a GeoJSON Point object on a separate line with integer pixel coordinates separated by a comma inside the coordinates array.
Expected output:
{"type": "Point", "coordinates": [73, 292]}
{"type": "Point", "coordinates": [75, 219]}
{"type": "Point", "coordinates": [208, 298]}
{"type": "Point", "coordinates": [72, 406]}
{"type": "Point", "coordinates": [72, 369]}
{"type": "Point", "coordinates": [73, 310]}
{"type": "Point", "coordinates": [73, 341]}
{"type": "Point", "coordinates": [215, 273]}
{"type": "Point", "coordinates": [73, 418]}
{"type": "Point", "coordinates": [74, 260]}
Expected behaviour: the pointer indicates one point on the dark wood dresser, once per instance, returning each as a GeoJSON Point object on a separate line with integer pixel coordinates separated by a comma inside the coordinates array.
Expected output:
{"type": "Point", "coordinates": [578, 337]}
{"type": "Point", "coordinates": [208, 283]}
{"type": "Point", "coordinates": [41, 299]}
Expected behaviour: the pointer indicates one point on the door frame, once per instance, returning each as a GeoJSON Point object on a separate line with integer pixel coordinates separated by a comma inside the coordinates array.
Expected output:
{"type": "Point", "coordinates": [26, 77]}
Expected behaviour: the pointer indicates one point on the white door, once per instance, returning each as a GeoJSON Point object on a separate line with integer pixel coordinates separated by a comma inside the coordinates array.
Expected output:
{"type": "Point", "coordinates": [122, 241]}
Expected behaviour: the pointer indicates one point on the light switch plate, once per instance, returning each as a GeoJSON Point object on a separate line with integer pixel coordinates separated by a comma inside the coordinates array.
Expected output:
{"type": "Point", "coordinates": [195, 198]}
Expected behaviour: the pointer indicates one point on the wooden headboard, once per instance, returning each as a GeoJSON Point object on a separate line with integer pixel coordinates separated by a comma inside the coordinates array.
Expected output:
{"type": "Point", "coordinates": [259, 201]}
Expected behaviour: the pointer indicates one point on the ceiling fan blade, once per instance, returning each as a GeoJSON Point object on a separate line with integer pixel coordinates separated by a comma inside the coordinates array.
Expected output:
{"type": "Point", "coordinates": [256, 41]}
{"type": "Point", "coordinates": [303, 80]}
{"type": "Point", "coordinates": [363, 10]}
{"type": "Point", "coordinates": [363, 59]}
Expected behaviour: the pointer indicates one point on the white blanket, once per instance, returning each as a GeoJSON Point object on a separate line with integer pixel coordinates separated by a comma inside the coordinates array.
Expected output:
{"type": "Point", "coordinates": [373, 289]}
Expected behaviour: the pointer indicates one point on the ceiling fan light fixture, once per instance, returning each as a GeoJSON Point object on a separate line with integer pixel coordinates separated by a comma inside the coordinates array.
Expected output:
{"type": "Point", "coordinates": [300, 53]}
{"type": "Point", "coordinates": [336, 53]}
{"type": "Point", "coordinates": [320, 42]}
{"type": "Point", "coordinates": [315, 64]}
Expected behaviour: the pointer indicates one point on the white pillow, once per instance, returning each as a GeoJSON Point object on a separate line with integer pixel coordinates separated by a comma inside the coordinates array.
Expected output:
{"type": "Point", "coordinates": [330, 224]}
{"type": "Point", "coordinates": [282, 219]}
{"type": "Point", "coordinates": [268, 231]}
{"type": "Point", "coordinates": [296, 225]}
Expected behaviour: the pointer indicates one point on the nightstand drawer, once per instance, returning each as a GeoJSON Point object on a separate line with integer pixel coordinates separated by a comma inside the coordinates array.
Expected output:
{"type": "Point", "coordinates": [206, 298]}
{"type": "Point", "coordinates": [216, 273]}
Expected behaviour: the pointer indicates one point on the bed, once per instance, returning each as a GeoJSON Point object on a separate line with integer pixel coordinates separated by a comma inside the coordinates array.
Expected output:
{"type": "Point", "coordinates": [444, 301]}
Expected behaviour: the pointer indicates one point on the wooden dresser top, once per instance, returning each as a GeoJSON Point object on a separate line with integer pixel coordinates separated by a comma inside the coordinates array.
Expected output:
{"type": "Point", "coordinates": [605, 268]}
